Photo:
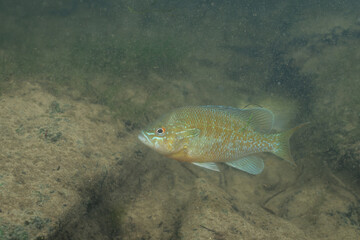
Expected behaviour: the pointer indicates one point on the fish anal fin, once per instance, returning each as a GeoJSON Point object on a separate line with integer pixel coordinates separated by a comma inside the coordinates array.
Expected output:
{"type": "Point", "coordinates": [208, 165]}
{"type": "Point", "coordinates": [250, 164]}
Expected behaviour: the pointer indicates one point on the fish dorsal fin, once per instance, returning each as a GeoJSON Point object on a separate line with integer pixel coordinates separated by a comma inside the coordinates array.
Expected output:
{"type": "Point", "coordinates": [260, 119]}
{"type": "Point", "coordinates": [250, 164]}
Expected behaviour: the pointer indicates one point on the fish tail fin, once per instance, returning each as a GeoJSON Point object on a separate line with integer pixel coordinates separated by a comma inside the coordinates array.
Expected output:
{"type": "Point", "coordinates": [283, 150]}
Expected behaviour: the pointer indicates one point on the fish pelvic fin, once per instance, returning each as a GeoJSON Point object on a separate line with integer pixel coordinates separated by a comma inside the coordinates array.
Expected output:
{"type": "Point", "coordinates": [283, 150]}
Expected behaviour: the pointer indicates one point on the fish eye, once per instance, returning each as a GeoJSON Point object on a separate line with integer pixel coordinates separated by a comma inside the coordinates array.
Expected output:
{"type": "Point", "coordinates": [160, 131]}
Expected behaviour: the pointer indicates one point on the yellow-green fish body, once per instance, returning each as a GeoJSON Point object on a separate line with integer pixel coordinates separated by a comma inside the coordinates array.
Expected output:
{"type": "Point", "coordinates": [204, 135]}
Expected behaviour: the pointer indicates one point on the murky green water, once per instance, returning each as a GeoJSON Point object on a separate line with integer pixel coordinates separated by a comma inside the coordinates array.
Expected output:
{"type": "Point", "coordinates": [111, 67]}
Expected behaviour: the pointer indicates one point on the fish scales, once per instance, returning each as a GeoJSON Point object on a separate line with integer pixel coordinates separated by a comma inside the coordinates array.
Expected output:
{"type": "Point", "coordinates": [223, 137]}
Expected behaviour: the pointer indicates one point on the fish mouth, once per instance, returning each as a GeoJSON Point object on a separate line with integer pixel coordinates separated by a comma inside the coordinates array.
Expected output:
{"type": "Point", "coordinates": [144, 139]}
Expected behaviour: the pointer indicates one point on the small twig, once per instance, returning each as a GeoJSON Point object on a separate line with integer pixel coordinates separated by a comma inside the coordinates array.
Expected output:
{"type": "Point", "coordinates": [276, 194]}
{"type": "Point", "coordinates": [263, 205]}
{"type": "Point", "coordinates": [208, 229]}
{"type": "Point", "coordinates": [338, 181]}
{"type": "Point", "coordinates": [192, 172]}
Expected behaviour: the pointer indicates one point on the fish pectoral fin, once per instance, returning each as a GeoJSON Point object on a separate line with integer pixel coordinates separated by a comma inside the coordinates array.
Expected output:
{"type": "Point", "coordinates": [250, 164]}
{"type": "Point", "coordinates": [208, 165]}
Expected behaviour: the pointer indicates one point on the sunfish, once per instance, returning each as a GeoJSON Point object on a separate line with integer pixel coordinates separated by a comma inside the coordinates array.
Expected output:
{"type": "Point", "coordinates": [206, 135]}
